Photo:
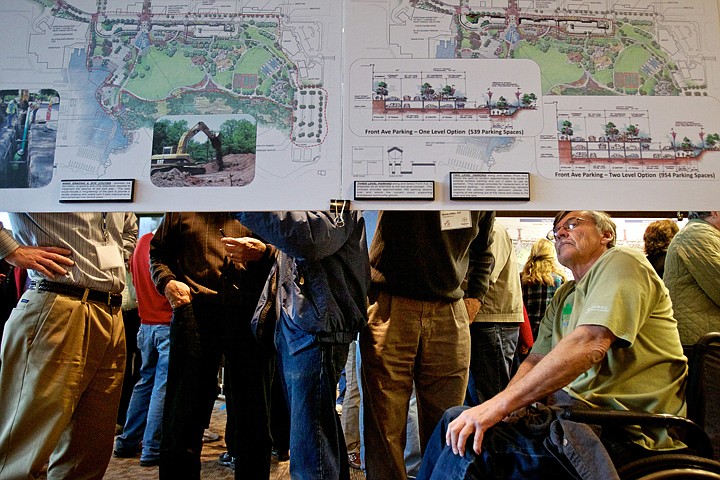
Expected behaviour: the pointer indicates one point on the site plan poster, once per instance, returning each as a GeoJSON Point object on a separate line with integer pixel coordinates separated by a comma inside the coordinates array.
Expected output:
{"type": "Point", "coordinates": [203, 105]}
{"type": "Point", "coordinates": [162, 105]}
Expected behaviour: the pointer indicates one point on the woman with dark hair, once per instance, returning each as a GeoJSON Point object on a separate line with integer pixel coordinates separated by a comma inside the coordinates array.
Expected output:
{"type": "Point", "coordinates": [657, 237]}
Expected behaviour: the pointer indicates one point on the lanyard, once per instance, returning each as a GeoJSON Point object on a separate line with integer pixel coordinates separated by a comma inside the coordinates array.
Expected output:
{"type": "Point", "coordinates": [104, 227]}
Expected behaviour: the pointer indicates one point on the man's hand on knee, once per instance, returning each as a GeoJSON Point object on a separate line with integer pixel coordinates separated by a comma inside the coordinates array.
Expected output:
{"type": "Point", "coordinates": [477, 421]}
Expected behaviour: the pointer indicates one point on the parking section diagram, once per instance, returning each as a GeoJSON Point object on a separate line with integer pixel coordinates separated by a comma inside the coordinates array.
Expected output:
{"type": "Point", "coordinates": [631, 138]}
{"type": "Point", "coordinates": [444, 97]}
{"type": "Point", "coordinates": [598, 100]}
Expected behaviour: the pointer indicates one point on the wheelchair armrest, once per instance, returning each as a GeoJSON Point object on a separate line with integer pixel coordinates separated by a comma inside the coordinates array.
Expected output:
{"type": "Point", "coordinates": [695, 437]}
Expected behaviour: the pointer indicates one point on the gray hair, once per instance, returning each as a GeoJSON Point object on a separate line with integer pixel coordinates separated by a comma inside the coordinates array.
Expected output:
{"type": "Point", "coordinates": [602, 220]}
{"type": "Point", "coordinates": [694, 215]}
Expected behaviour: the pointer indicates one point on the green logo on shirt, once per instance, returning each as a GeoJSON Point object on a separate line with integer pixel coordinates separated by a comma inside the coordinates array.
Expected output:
{"type": "Point", "coordinates": [566, 312]}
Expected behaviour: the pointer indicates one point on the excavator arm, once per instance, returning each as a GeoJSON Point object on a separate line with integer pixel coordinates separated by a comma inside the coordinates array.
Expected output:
{"type": "Point", "coordinates": [181, 160]}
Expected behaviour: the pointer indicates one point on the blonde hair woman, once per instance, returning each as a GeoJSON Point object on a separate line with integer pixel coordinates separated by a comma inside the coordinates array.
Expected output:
{"type": "Point", "coordinates": [540, 278]}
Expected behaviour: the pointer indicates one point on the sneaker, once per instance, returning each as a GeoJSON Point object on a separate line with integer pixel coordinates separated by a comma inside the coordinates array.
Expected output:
{"type": "Point", "coordinates": [209, 436]}
{"type": "Point", "coordinates": [354, 460]}
{"type": "Point", "coordinates": [281, 456]}
{"type": "Point", "coordinates": [226, 460]}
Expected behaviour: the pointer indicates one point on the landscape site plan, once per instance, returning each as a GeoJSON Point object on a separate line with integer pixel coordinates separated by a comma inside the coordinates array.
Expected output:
{"type": "Point", "coordinates": [141, 86]}
{"type": "Point", "coordinates": [388, 104]}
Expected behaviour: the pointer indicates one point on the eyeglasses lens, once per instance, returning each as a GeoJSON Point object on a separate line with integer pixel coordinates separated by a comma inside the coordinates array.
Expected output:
{"type": "Point", "coordinates": [570, 224]}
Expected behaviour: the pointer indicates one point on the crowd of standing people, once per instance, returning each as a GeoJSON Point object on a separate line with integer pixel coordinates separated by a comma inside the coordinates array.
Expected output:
{"type": "Point", "coordinates": [440, 332]}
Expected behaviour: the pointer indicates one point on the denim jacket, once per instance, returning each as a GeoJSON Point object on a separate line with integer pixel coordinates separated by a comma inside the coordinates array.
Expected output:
{"type": "Point", "coordinates": [322, 275]}
{"type": "Point", "coordinates": [578, 445]}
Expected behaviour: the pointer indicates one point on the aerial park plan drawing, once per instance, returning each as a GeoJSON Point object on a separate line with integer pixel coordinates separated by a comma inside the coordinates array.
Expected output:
{"type": "Point", "coordinates": [141, 89]}
{"type": "Point", "coordinates": [389, 104]}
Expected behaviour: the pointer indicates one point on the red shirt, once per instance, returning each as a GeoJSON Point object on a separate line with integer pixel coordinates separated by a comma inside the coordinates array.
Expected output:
{"type": "Point", "coordinates": [154, 309]}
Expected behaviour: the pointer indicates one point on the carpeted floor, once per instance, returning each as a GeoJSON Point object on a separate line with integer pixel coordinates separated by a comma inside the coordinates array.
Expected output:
{"type": "Point", "coordinates": [130, 469]}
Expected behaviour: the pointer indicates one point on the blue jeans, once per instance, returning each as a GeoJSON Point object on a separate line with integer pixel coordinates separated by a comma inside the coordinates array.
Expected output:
{"type": "Point", "coordinates": [412, 454]}
{"type": "Point", "coordinates": [350, 418]}
{"type": "Point", "coordinates": [507, 452]}
{"type": "Point", "coordinates": [145, 412]}
{"type": "Point", "coordinates": [492, 351]}
{"type": "Point", "coordinates": [310, 377]}
{"type": "Point", "coordinates": [342, 387]}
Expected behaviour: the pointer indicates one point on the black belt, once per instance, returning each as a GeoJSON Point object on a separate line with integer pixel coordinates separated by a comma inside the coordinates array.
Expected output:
{"type": "Point", "coordinates": [108, 298]}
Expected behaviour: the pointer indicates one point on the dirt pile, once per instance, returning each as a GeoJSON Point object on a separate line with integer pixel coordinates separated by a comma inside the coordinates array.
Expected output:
{"type": "Point", "coordinates": [238, 170]}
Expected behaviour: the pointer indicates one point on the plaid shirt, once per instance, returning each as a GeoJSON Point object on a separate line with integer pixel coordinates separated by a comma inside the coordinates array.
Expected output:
{"type": "Point", "coordinates": [536, 298]}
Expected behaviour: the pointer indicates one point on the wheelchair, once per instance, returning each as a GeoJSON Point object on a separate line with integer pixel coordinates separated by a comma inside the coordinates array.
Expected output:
{"type": "Point", "coordinates": [700, 430]}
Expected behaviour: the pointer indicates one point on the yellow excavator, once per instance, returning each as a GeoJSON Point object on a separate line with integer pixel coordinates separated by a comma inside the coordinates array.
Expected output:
{"type": "Point", "coordinates": [178, 158]}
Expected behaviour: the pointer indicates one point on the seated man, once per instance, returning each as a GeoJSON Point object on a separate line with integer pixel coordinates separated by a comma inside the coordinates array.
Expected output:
{"type": "Point", "coordinates": [607, 340]}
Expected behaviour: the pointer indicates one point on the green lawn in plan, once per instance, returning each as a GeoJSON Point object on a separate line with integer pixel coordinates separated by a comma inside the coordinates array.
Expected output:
{"type": "Point", "coordinates": [165, 75]}
{"type": "Point", "coordinates": [252, 60]}
{"type": "Point", "coordinates": [224, 78]}
{"type": "Point", "coordinates": [604, 76]}
{"type": "Point", "coordinates": [554, 66]}
{"type": "Point", "coordinates": [265, 86]}
{"type": "Point", "coordinates": [649, 86]}
{"type": "Point", "coordinates": [631, 59]}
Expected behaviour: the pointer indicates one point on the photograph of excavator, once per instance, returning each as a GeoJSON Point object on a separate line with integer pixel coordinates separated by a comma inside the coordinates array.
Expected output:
{"type": "Point", "coordinates": [203, 151]}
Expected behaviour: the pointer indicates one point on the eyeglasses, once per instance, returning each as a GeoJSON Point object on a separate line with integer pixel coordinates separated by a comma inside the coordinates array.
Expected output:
{"type": "Point", "coordinates": [569, 225]}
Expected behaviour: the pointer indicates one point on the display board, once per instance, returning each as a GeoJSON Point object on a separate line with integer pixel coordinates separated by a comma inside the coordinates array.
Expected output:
{"type": "Point", "coordinates": [389, 104]}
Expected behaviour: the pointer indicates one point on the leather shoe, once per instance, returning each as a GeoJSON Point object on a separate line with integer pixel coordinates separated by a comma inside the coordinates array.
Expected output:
{"type": "Point", "coordinates": [122, 453]}
{"type": "Point", "coordinates": [153, 462]}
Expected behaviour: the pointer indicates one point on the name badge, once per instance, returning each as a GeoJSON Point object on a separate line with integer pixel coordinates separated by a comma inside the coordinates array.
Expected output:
{"type": "Point", "coordinates": [453, 220]}
{"type": "Point", "coordinates": [109, 256]}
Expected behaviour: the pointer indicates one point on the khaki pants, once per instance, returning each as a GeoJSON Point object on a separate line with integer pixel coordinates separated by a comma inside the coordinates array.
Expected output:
{"type": "Point", "coordinates": [408, 341]}
{"type": "Point", "coordinates": [62, 367]}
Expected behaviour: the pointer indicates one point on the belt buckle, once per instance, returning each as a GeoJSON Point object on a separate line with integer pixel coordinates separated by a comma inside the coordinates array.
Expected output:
{"type": "Point", "coordinates": [109, 299]}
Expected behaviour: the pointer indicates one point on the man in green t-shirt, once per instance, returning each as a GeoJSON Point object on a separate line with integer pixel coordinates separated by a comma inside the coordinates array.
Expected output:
{"type": "Point", "coordinates": [608, 339]}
